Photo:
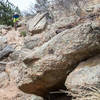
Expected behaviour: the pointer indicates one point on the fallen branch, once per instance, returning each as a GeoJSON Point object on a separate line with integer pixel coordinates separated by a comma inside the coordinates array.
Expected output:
{"type": "Point", "coordinates": [59, 92]}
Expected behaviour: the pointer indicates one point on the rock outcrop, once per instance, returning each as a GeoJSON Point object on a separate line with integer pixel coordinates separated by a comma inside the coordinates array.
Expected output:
{"type": "Point", "coordinates": [37, 24]}
{"type": "Point", "coordinates": [53, 55]}
{"type": "Point", "coordinates": [8, 88]}
{"type": "Point", "coordinates": [47, 67]}
{"type": "Point", "coordinates": [84, 81]}
{"type": "Point", "coordinates": [39, 39]}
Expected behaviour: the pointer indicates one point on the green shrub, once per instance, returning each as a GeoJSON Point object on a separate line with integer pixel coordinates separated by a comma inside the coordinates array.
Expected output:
{"type": "Point", "coordinates": [7, 10]}
{"type": "Point", "coordinates": [23, 33]}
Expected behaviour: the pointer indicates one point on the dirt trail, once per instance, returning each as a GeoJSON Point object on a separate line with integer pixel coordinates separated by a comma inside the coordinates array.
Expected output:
{"type": "Point", "coordinates": [13, 38]}
{"type": "Point", "coordinates": [11, 92]}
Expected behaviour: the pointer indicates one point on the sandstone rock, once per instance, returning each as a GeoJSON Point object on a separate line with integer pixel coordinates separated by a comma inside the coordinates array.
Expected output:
{"type": "Point", "coordinates": [64, 21]}
{"type": "Point", "coordinates": [72, 7]}
{"type": "Point", "coordinates": [37, 24]}
{"type": "Point", "coordinates": [32, 41]}
{"type": "Point", "coordinates": [85, 79]}
{"type": "Point", "coordinates": [38, 39]}
{"type": "Point", "coordinates": [48, 65]}
{"type": "Point", "coordinates": [8, 88]}
{"type": "Point", "coordinates": [19, 54]}
{"type": "Point", "coordinates": [12, 93]}
{"type": "Point", "coordinates": [18, 96]}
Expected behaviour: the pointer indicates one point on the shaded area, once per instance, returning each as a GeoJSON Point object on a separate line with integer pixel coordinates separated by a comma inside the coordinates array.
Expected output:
{"type": "Point", "coordinates": [58, 96]}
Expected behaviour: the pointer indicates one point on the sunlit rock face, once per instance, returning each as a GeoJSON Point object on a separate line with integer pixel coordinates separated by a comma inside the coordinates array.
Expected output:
{"type": "Point", "coordinates": [96, 1]}
{"type": "Point", "coordinates": [72, 7]}
{"type": "Point", "coordinates": [50, 52]}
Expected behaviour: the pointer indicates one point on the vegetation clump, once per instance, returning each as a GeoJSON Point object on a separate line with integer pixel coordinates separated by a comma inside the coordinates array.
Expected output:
{"type": "Point", "coordinates": [23, 33]}
{"type": "Point", "coordinates": [7, 10]}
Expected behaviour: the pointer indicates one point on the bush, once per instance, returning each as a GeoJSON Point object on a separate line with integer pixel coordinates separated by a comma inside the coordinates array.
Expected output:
{"type": "Point", "coordinates": [6, 12]}
{"type": "Point", "coordinates": [23, 33]}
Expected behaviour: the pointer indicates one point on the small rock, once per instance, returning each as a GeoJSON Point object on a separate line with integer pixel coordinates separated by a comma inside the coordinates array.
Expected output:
{"type": "Point", "coordinates": [6, 51]}
{"type": "Point", "coordinates": [4, 79]}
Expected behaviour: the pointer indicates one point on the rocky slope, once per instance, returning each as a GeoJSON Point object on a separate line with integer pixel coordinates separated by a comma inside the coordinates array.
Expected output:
{"type": "Point", "coordinates": [84, 81]}
{"type": "Point", "coordinates": [53, 60]}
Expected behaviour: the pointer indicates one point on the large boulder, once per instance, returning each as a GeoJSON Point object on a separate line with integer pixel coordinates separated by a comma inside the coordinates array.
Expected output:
{"type": "Point", "coordinates": [47, 67]}
{"type": "Point", "coordinates": [37, 24]}
{"type": "Point", "coordinates": [8, 88]}
{"type": "Point", "coordinates": [50, 31]}
{"type": "Point", "coordinates": [84, 81]}
{"type": "Point", "coordinates": [12, 93]}
{"type": "Point", "coordinates": [71, 7]}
